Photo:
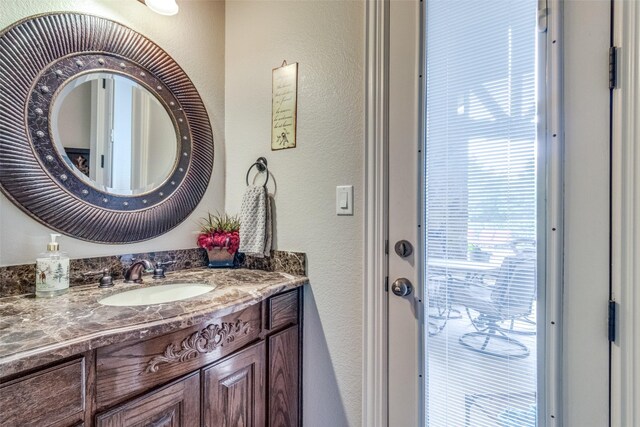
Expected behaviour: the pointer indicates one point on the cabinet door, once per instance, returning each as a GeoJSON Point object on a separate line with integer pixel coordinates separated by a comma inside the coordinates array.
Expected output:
{"type": "Point", "coordinates": [234, 390]}
{"type": "Point", "coordinates": [284, 379]}
{"type": "Point", "coordinates": [175, 405]}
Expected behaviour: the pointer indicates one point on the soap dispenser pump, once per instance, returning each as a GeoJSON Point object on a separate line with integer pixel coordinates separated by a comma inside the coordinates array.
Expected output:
{"type": "Point", "coordinates": [52, 270]}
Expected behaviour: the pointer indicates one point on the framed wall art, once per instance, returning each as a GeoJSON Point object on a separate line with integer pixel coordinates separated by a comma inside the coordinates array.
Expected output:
{"type": "Point", "coordinates": [284, 106]}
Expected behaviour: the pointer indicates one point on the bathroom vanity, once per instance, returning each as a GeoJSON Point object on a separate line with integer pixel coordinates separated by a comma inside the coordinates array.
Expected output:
{"type": "Point", "coordinates": [228, 357]}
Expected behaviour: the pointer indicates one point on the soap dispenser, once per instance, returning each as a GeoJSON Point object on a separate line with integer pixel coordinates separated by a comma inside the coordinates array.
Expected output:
{"type": "Point", "coordinates": [52, 270]}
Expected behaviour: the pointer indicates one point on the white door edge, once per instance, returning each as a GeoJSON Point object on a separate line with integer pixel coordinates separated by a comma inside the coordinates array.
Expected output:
{"type": "Point", "coordinates": [551, 230]}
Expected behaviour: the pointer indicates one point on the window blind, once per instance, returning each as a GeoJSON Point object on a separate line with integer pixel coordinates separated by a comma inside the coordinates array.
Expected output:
{"type": "Point", "coordinates": [480, 213]}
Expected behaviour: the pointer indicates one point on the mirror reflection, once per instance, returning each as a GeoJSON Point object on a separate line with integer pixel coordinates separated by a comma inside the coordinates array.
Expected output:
{"type": "Point", "coordinates": [114, 133]}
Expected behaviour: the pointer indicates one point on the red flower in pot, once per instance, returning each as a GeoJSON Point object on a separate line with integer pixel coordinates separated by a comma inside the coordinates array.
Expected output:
{"type": "Point", "coordinates": [219, 235]}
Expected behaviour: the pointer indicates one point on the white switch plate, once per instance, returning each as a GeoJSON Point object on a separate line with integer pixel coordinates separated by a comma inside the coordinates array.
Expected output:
{"type": "Point", "coordinates": [344, 200]}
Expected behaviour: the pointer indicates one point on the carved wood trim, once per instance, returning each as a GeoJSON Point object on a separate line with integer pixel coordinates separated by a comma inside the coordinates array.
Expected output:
{"type": "Point", "coordinates": [200, 342]}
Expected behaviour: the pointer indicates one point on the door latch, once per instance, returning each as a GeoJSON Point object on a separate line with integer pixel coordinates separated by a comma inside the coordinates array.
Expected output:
{"type": "Point", "coordinates": [403, 248]}
{"type": "Point", "coordinates": [402, 287]}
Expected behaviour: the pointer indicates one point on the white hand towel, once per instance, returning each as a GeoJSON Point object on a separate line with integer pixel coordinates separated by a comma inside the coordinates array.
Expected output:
{"type": "Point", "coordinates": [255, 222]}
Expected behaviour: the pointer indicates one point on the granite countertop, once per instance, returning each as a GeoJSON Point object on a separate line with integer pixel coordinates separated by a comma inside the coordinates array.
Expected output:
{"type": "Point", "coordinates": [36, 331]}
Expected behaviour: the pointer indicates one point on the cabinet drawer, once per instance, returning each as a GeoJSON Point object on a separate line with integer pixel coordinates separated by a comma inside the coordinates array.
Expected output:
{"type": "Point", "coordinates": [50, 397]}
{"type": "Point", "coordinates": [176, 404]}
{"type": "Point", "coordinates": [124, 370]}
{"type": "Point", "coordinates": [282, 310]}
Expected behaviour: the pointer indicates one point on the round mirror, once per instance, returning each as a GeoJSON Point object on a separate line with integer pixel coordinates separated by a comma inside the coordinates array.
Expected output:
{"type": "Point", "coordinates": [114, 134]}
{"type": "Point", "coordinates": [104, 136]}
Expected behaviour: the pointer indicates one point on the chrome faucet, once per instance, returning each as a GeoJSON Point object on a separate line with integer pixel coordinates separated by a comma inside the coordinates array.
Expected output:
{"type": "Point", "coordinates": [134, 273]}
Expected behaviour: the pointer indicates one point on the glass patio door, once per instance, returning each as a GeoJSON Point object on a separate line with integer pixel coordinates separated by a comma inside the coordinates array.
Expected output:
{"type": "Point", "coordinates": [480, 213]}
{"type": "Point", "coordinates": [470, 327]}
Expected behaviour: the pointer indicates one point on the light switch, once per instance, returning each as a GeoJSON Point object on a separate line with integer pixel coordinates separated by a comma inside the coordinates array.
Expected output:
{"type": "Point", "coordinates": [344, 200]}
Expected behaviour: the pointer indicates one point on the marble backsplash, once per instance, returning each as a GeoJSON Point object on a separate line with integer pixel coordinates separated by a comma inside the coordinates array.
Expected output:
{"type": "Point", "coordinates": [20, 279]}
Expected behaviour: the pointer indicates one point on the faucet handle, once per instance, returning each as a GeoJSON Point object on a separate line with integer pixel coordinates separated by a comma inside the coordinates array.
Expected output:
{"type": "Point", "coordinates": [133, 274]}
{"type": "Point", "coordinates": [158, 272]}
{"type": "Point", "coordinates": [163, 263]}
{"type": "Point", "coordinates": [106, 281]}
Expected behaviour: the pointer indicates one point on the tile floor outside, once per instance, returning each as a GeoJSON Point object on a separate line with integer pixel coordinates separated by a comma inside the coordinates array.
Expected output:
{"type": "Point", "coordinates": [468, 388]}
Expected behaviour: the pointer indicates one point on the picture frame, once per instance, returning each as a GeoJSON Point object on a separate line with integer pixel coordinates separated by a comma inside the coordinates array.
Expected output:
{"type": "Point", "coordinates": [284, 104]}
{"type": "Point", "coordinates": [80, 158]}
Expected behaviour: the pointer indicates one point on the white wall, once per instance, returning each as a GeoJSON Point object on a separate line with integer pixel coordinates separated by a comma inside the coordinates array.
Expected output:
{"type": "Point", "coordinates": [195, 40]}
{"type": "Point", "coordinates": [160, 140]}
{"type": "Point", "coordinates": [326, 38]}
{"type": "Point", "coordinates": [74, 119]}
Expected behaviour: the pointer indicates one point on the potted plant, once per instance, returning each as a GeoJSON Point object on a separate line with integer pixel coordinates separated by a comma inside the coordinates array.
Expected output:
{"type": "Point", "coordinates": [219, 235]}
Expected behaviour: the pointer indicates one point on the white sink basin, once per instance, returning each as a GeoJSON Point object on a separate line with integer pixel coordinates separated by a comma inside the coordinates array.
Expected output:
{"type": "Point", "coordinates": [157, 294]}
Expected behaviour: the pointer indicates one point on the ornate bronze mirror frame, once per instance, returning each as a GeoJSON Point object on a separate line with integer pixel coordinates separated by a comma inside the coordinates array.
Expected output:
{"type": "Point", "coordinates": [37, 57]}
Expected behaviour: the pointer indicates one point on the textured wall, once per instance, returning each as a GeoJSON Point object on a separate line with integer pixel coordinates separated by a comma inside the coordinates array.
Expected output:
{"type": "Point", "coordinates": [195, 39]}
{"type": "Point", "coordinates": [326, 38]}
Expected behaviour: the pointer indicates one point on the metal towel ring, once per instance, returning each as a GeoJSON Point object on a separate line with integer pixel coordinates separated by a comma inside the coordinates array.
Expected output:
{"type": "Point", "coordinates": [261, 164]}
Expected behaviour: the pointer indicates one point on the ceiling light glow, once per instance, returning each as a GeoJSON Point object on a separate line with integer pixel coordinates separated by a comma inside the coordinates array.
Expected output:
{"type": "Point", "coordinates": [163, 7]}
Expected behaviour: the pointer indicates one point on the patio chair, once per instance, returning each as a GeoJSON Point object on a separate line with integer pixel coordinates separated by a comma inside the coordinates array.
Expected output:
{"type": "Point", "coordinates": [510, 298]}
{"type": "Point", "coordinates": [525, 325]}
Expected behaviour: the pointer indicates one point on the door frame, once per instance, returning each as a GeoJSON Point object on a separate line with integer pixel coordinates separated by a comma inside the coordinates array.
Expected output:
{"type": "Point", "coordinates": [625, 235]}
{"type": "Point", "coordinates": [374, 378]}
{"type": "Point", "coordinates": [375, 315]}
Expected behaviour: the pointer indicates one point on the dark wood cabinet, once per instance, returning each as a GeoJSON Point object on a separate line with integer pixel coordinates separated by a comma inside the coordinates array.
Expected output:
{"type": "Point", "coordinates": [53, 397]}
{"type": "Point", "coordinates": [284, 378]}
{"type": "Point", "coordinates": [239, 369]}
{"type": "Point", "coordinates": [234, 390]}
{"type": "Point", "coordinates": [124, 370]}
{"type": "Point", "coordinates": [174, 405]}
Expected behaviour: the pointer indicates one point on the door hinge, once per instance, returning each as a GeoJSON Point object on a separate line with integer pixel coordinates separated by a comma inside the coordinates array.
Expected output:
{"type": "Point", "coordinates": [386, 247]}
{"type": "Point", "coordinates": [543, 13]}
{"type": "Point", "coordinates": [613, 308]}
{"type": "Point", "coordinates": [386, 284]}
{"type": "Point", "coordinates": [613, 67]}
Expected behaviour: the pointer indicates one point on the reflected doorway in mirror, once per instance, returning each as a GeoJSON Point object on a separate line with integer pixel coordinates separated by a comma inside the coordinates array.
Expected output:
{"type": "Point", "coordinates": [131, 138]}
